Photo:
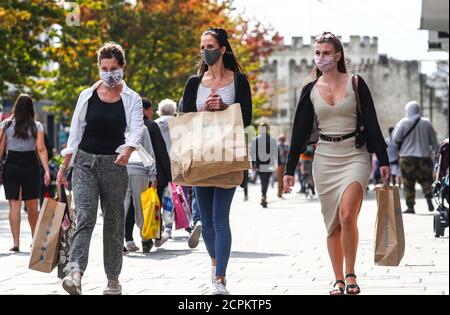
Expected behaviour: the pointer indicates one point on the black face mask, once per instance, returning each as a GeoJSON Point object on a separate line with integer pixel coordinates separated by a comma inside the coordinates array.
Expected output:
{"type": "Point", "coordinates": [210, 57]}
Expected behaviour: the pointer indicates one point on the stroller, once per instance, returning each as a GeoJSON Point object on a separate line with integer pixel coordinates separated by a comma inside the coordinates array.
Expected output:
{"type": "Point", "coordinates": [441, 191]}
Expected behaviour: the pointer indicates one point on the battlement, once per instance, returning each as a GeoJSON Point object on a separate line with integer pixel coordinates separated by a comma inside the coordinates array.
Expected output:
{"type": "Point", "coordinates": [357, 43]}
{"type": "Point", "coordinates": [359, 50]}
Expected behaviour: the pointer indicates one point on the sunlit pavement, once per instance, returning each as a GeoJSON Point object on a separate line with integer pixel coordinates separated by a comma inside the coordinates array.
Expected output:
{"type": "Point", "coordinates": [278, 250]}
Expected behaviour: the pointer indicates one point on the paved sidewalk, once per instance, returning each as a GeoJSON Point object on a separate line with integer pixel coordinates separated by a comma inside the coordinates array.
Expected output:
{"type": "Point", "coordinates": [279, 250]}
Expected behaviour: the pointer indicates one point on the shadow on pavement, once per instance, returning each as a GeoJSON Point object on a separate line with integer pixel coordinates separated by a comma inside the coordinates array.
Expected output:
{"type": "Point", "coordinates": [24, 254]}
{"type": "Point", "coordinates": [179, 239]}
{"type": "Point", "coordinates": [255, 255]}
{"type": "Point", "coordinates": [160, 254]}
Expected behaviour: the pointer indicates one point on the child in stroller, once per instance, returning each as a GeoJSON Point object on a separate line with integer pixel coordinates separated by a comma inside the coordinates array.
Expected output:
{"type": "Point", "coordinates": [441, 190]}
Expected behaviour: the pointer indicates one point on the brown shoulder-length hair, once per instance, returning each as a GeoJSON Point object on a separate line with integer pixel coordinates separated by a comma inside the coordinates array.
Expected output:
{"type": "Point", "coordinates": [111, 50]}
{"type": "Point", "coordinates": [328, 37]}
{"type": "Point", "coordinates": [24, 116]}
{"type": "Point", "coordinates": [229, 58]}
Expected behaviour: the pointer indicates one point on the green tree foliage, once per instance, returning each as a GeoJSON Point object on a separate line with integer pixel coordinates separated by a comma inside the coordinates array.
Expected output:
{"type": "Point", "coordinates": [161, 40]}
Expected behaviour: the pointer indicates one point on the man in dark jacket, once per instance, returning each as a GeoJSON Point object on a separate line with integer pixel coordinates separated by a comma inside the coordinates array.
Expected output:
{"type": "Point", "coordinates": [163, 171]}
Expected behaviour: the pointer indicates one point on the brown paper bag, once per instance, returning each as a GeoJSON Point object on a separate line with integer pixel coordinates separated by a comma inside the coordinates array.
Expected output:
{"type": "Point", "coordinates": [389, 233]}
{"type": "Point", "coordinates": [208, 144]}
{"type": "Point", "coordinates": [45, 250]}
{"type": "Point", "coordinates": [225, 181]}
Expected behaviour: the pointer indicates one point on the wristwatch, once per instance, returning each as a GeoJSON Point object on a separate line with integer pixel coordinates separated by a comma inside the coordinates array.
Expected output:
{"type": "Point", "coordinates": [63, 167]}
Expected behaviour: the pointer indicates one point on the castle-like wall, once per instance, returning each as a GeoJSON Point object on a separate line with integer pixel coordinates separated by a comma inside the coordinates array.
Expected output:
{"type": "Point", "coordinates": [392, 83]}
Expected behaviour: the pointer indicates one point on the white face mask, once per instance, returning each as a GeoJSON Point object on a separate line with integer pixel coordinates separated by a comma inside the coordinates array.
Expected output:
{"type": "Point", "coordinates": [113, 78]}
{"type": "Point", "coordinates": [324, 64]}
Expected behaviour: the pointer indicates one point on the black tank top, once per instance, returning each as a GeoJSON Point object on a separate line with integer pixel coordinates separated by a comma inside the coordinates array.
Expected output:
{"type": "Point", "coordinates": [105, 128]}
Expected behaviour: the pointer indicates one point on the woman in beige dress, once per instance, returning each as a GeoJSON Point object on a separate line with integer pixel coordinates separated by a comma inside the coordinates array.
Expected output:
{"type": "Point", "coordinates": [328, 113]}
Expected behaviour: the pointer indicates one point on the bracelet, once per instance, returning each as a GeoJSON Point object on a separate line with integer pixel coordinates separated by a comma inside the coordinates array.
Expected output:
{"type": "Point", "coordinates": [62, 167]}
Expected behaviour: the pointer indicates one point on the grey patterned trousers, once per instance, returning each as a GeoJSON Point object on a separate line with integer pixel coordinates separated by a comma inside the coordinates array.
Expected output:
{"type": "Point", "coordinates": [97, 176]}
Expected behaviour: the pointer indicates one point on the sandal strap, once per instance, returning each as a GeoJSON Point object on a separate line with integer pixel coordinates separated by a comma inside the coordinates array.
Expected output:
{"type": "Point", "coordinates": [339, 290]}
{"type": "Point", "coordinates": [353, 286]}
{"type": "Point", "coordinates": [350, 275]}
{"type": "Point", "coordinates": [338, 282]}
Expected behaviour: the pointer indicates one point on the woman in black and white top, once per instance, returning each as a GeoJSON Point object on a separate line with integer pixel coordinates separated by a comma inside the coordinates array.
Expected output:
{"type": "Point", "coordinates": [23, 139]}
{"type": "Point", "coordinates": [220, 83]}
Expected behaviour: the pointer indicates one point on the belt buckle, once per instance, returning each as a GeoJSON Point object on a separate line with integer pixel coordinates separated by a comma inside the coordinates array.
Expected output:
{"type": "Point", "coordinates": [336, 139]}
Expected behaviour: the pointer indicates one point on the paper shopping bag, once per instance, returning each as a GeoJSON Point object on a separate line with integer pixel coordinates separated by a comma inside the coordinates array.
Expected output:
{"type": "Point", "coordinates": [45, 249]}
{"type": "Point", "coordinates": [208, 144]}
{"type": "Point", "coordinates": [389, 233]}
{"type": "Point", "coordinates": [225, 181]}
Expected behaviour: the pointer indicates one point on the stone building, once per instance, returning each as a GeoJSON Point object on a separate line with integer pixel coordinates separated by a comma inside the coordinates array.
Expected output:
{"type": "Point", "coordinates": [393, 83]}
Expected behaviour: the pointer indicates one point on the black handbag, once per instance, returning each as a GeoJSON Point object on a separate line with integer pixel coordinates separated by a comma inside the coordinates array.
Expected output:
{"type": "Point", "coordinates": [360, 138]}
{"type": "Point", "coordinates": [2, 157]}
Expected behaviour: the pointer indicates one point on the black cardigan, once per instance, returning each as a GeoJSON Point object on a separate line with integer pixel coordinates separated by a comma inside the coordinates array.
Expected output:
{"type": "Point", "coordinates": [243, 96]}
{"type": "Point", "coordinates": [305, 117]}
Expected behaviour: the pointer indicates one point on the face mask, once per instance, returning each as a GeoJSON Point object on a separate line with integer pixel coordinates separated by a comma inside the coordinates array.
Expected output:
{"type": "Point", "coordinates": [324, 64]}
{"type": "Point", "coordinates": [210, 57]}
{"type": "Point", "coordinates": [113, 78]}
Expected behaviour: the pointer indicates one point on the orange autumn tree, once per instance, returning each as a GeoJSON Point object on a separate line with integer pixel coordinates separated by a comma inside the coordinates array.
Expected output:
{"type": "Point", "coordinates": [161, 39]}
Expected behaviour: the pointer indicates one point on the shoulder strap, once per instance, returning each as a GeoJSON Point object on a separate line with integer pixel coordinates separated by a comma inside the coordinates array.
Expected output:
{"type": "Point", "coordinates": [412, 128]}
{"type": "Point", "coordinates": [355, 89]}
{"type": "Point", "coordinates": [8, 123]}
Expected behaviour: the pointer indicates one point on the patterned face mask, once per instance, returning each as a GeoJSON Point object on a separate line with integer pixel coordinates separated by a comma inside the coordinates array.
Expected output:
{"type": "Point", "coordinates": [324, 64]}
{"type": "Point", "coordinates": [113, 78]}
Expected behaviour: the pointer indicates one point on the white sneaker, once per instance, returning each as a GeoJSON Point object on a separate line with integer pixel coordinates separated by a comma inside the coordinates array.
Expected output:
{"type": "Point", "coordinates": [131, 247]}
{"type": "Point", "coordinates": [213, 273]}
{"type": "Point", "coordinates": [219, 288]}
{"type": "Point", "coordinates": [72, 284]}
{"type": "Point", "coordinates": [160, 242]}
{"type": "Point", "coordinates": [194, 238]}
{"type": "Point", "coordinates": [113, 288]}
{"type": "Point", "coordinates": [169, 233]}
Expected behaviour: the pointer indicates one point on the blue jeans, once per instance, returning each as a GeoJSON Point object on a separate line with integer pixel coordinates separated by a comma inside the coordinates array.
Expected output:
{"type": "Point", "coordinates": [214, 204]}
{"type": "Point", "coordinates": [195, 210]}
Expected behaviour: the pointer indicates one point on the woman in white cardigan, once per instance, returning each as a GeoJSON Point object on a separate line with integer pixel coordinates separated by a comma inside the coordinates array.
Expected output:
{"type": "Point", "coordinates": [107, 126]}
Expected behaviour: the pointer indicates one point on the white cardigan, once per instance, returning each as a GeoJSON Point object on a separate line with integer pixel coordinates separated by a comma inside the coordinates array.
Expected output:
{"type": "Point", "coordinates": [132, 104]}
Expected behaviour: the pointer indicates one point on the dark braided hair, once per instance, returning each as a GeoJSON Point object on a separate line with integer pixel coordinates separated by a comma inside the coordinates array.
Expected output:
{"type": "Point", "coordinates": [229, 58]}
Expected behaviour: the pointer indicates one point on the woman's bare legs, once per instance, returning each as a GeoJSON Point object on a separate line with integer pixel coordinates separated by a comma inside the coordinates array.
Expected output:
{"type": "Point", "coordinates": [33, 214]}
{"type": "Point", "coordinates": [14, 220]}
{"type": "Point", "coordinates": [336, 253]}
{"type": "Point", "coordinates": [350, 207]}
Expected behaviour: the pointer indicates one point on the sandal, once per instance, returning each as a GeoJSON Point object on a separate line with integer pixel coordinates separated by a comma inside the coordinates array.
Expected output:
{"type": "Point", "coordinates": [352, 286]}
{"type": "Point", "coordinates": [338, 290]}
{"type": "Point", "coordinates": [14, 249]}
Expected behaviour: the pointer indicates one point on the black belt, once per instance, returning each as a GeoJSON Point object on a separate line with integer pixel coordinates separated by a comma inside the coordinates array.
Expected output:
{"type": "Point", "coordinates": [337, 138]}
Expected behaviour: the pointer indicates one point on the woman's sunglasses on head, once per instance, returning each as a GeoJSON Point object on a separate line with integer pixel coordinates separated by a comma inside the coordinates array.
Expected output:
{"type": "Point", "coordinates": [325, 36]}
